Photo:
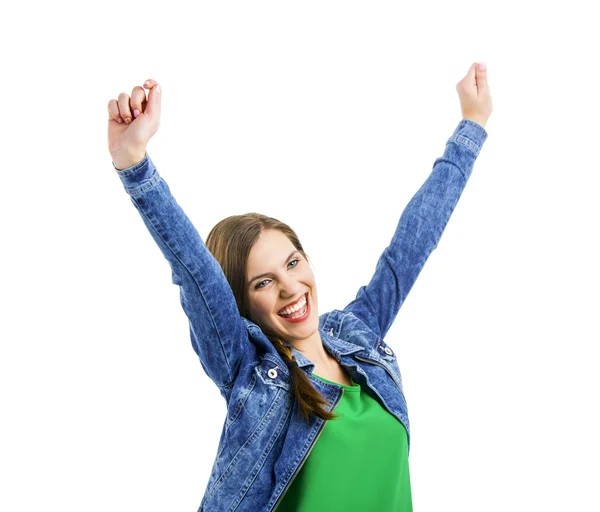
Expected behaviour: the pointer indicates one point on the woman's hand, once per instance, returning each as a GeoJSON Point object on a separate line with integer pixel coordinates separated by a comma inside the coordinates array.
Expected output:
{"type": "Point", "coordinates": [132, 122]}
{"type": "Point", "coordinates": [474, 94]}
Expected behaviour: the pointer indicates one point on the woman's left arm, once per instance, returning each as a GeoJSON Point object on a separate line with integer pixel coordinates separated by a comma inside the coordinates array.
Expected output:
{"type": "Point", "coordinates": [419, 230]}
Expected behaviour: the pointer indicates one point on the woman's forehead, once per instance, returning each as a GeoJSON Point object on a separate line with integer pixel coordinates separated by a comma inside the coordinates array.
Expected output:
{"type": "Point", "coordinates": [272, 247]}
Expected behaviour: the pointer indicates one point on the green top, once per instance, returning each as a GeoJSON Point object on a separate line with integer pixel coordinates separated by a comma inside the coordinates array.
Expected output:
{"type": "Point", "coordinates": [359, 462]}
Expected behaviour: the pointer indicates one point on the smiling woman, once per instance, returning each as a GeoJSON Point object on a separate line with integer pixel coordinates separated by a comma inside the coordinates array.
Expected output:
{"type": "Point", "coordinates": [250, 296]}
{"type": "Point", "coordinates": [269, 274]}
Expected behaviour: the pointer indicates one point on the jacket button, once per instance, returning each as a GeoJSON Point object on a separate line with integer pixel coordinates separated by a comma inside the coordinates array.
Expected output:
{"type": "Point", "coordinates": [272, 373]}
{"type": "Point", "coordinates": [388, 351]}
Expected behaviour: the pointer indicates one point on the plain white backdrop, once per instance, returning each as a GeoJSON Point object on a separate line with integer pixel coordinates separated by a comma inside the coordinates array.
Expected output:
{"type": "Point", "coordinates": [329, 116]}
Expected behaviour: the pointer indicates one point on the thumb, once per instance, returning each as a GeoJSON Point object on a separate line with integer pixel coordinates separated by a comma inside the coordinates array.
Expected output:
{"type": "Point", "coordinates": [481, 77]}
{"type": "Point", "coordinates": [470, 76]}
{"type": "Point", "coordinates": [153, 106]}
{"type": "Point", "coordinates": [468, 84]}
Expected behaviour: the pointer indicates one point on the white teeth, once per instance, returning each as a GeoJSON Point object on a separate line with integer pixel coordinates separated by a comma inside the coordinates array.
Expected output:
{"type": "Point", "coordinates": [299, 305]}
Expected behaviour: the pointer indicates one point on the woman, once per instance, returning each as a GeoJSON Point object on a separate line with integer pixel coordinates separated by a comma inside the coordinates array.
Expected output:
{"type": "Point", "coordinates": [251, 299]}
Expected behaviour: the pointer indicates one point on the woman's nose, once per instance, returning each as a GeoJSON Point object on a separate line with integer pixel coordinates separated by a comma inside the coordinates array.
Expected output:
{"type": "Point", "coordinates": [290, 287]}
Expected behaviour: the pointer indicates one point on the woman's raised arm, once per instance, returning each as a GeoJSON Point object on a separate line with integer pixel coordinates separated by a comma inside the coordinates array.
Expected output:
{"type": "Point", "coordinates": [425, 217]}
{"type": "Point", "coordinates": [217, 331]}
{"type": "Point", "coordinates": [418, 231]}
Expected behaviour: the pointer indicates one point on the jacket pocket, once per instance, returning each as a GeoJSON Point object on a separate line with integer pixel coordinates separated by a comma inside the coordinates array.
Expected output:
{"type": "Point", "coordinates": [268, 380]}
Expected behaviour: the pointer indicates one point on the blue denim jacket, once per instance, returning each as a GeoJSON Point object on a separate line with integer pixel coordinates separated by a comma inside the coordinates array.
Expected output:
{"type": "Point", "coordinates": [264, 443]}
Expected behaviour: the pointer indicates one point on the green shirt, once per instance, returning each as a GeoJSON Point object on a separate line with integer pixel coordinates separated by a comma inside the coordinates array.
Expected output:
{"type": "Point", "coordinates": [359, 462]}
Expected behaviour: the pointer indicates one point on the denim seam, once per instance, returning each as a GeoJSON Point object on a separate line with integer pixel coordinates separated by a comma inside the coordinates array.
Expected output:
{"type": "Point", "coordinates": [238, 454]}
{"type": "Point", "coordinates": [133, 168]}
{"type": "Point", "coordinates": [366, 328]}
{"type": "Point", "coordinates": [452, 164]}
{"type": "Point", "coordinates": [465, 141]}
{"type": "Point", "coordinates": [314, 432]}
{"type": "Point", "coordinates": [149, 185]}
{"type": "Point", "coordinates": [276, 360]}
{"type": "Point", "coordinates": [275, 492]}
{"type": "Point", "coordinates": [375, 312]}
{"type": "Point", "coordinates": [477, 126]}
{"type": "Point", "coordinates": [263, 423]}
{"type": "Point", "coordinates": [265, 454]}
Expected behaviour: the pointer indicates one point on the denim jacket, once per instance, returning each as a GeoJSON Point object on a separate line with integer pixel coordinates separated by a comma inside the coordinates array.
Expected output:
{"type": "Point", "coordinates": [264, 442]}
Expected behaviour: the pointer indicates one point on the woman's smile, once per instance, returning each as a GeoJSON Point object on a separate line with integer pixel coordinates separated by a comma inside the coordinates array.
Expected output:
{"type": "Point", "coordinates": [298, 312]}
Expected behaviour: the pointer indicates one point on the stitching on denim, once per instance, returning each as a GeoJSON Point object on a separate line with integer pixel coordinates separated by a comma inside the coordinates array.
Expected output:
{"type": "Point", "coordinates": [230, 467]}
{"type": "Point", "coordinates": [269, 381]}
{"type": "Point", "coordinates": [365, 328]}
{"type": "Point", "coordinates": [276, 359]}
{"type": "Point", "coordinates": [453, 164]}
{"type": "Point", "coordinates": [263, 423]}
{"type": "Point", "coordinates": [134, 168]}
{"type": "Point", "coordinates": [465, 141]}
{"type": "Point", "coordinates": [477, 126]}
{"type": "Point", "coordinates": [235, 410]}
{"type": "Point", "coordinates": [374, 311]}
{"type": "Point", "coordinates": [326, 322]}
{"type": "Point", "coordinates": [260, 463]}
{"type": "Point", "coordinates": [269, 389]}
{"type": "Point", "coordinates": [149, 185]}
{"type": "Point", "coordinates": [294, 465]}
{"type": "Point", "coordinates": [275, 495]}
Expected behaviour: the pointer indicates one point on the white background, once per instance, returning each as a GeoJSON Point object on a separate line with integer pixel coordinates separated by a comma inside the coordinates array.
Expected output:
{"type": "Point", "coordinates": [329, 116]}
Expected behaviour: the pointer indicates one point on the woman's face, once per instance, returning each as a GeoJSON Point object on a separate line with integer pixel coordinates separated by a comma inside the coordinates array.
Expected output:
{"type": "Point", "coordinates": [278, 278]}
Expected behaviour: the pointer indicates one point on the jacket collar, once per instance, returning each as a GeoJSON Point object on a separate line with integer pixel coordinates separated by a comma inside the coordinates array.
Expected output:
{"type": "Point", "coordinates": [335, 346]}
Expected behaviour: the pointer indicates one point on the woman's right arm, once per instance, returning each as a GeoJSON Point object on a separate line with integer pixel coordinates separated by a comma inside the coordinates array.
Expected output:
{"type": "Point", "coordinates": [218, 334]}
{"type": "Point", "coordinates": [217, 331]}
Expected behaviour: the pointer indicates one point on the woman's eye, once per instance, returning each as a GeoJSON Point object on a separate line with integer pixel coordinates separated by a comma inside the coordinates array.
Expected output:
{"type": "Point", "coordinates": [260, 285]}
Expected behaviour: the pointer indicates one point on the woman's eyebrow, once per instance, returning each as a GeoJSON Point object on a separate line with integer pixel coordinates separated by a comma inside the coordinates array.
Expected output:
{"type": "Point", "coordinates": [267, 273]}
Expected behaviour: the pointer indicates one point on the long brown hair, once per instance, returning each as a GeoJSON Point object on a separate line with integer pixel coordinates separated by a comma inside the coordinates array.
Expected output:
{"type": "Point", "coordinates": [230, 242]}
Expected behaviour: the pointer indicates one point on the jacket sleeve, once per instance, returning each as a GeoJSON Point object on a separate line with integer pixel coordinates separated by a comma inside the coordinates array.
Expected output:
{"type": "Point", "coordinates": [217, 332]}
{"type": "Point", "coordinates": [419, 230]}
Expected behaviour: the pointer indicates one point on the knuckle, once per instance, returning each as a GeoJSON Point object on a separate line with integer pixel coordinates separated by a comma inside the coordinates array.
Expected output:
{"type": "Point", "coordinates": [113, 109]}
{"type": "Point", "coordinates": [138, 95]}
{"type": "Point", "coordinates": [123, 97]}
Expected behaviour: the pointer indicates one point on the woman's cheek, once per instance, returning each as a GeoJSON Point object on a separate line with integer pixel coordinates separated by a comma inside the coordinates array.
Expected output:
{"type": "Point", "coordinates": [261, 307]}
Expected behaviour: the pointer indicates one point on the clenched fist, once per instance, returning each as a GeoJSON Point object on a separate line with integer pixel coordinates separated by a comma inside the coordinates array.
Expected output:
{"type": "Point", "coordinates": [474, 94]}
{"type": "Point", "coordinates": [132, 121]}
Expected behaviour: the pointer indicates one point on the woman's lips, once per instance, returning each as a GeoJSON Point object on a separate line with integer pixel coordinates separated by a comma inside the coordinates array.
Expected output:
{"type": "Point", "coordinates": [299, 319]}
{"type": "Point", "coordinates": [292, 304]}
